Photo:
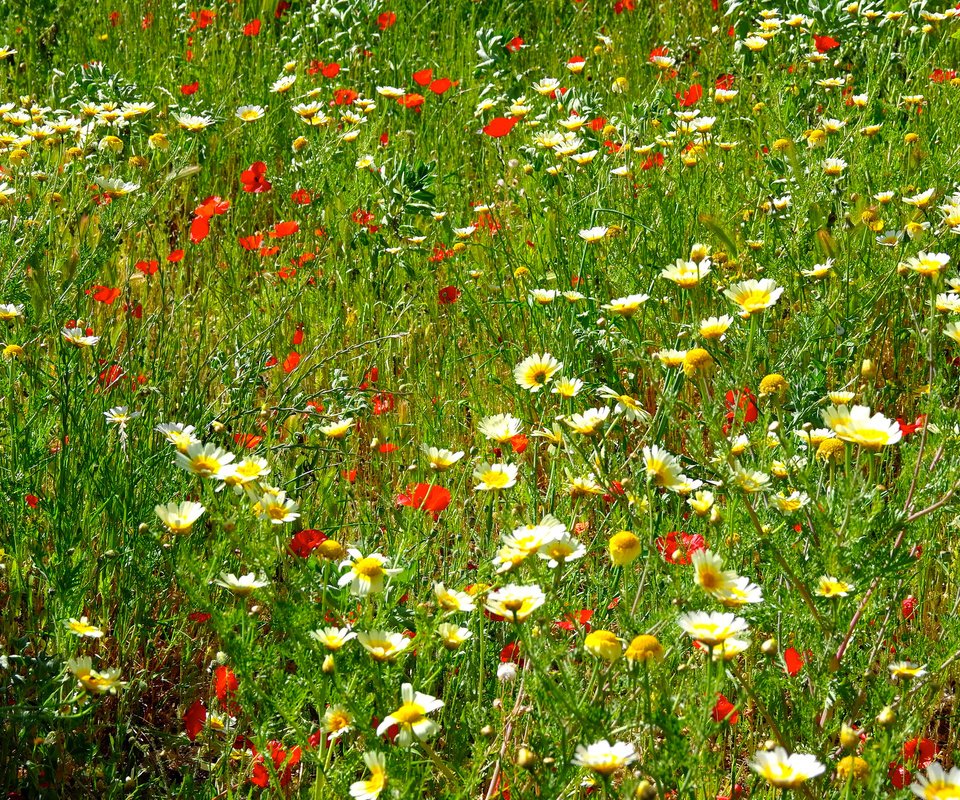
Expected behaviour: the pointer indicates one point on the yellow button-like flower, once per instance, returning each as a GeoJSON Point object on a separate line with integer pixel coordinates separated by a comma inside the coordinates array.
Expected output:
{"type": "Point", "coordinates": [645, 648]}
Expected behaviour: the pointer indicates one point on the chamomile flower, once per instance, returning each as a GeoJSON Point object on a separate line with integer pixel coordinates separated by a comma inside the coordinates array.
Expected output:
{"type": "Point", "coordinates": [786, 771]}
{"type": "Point", "coordinates": [179, 517]}
{"type": "Point", "coordinates": [535, 371]}
{"type": "Point", "coordinates": [494, 477]}
{"type": "Point", "coordinates": [243, 585]}
{"type": "Point", "coordinates": [365, 574]}
{"type": "Point", "coordinates": [604, 758]}
{"type": "Point", "coordinates": [383, 645]}
{"type": "Point", "coordinates": [82, 627]}
{"type": "Point", "coordinates": [411, 717]}
{"type": "Point", "coordinates": [441, 459]}
{"type": "Point", "coordinates": [515, 602]}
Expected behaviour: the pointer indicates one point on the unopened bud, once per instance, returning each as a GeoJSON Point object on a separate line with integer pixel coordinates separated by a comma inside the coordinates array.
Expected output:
{"type": "Point", "coordinates": [329, 665]}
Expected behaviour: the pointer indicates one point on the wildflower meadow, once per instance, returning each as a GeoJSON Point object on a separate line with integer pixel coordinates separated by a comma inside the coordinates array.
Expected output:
{"type": "Point", "coordinates": [480, 399]}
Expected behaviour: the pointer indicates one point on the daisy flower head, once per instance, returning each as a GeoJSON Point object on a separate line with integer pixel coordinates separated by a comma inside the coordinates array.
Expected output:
{"type": "Point", "coordinates": [754, 296]}
{"type": "Point", "coordinates": [500, 428]}
{"type": "Point", "coordinates": [830, 587]}
{"type": "Point", "coordinates": [589, 422]}
{"type": "Point", "coordinates": [711, 628]}
{"type": "Point", "coordinates": [900, 670]}
{"type": "Point", "coordinates": [179, 517]}
{"type": "Point", "coordinates": [94, 681]}
{"type": "Point", "coordinates": [604, 758]}
{"type": "Point", "coordinates": [244, 585]}
{"type": "Point", "coordinates": [786, 771]}
{"type": "Point", "coordinates": [371, 788]}
{"type": "Point", "coordinates": [83, 628]}
{"type": "Point", "coordinates": [535, 371]}
{"type": "Point", "coordinates": [937, 784]}
{"type": "Point", "coordinates": [412, 718]}
{"type": "Point", "coordinates": [333, 638]}
{"type": "Point", "coordinates": [495, 477]}
{"type": "Point", "coordinates": [515, 602]}
{"type": "Point", "coordinates": [205, 460]}
{"type": "Point", "coordinates": [383, 645]}
{"type": "Point", "coordinates": [365, 574]}
{"type": "Point", "coordinates": [441, 459]}
{"type": "Point", "coordinates": [451, 600]}
{"type": "Point", "coordinates": [78, 337]}
{"type": "Point", "coordinates": [179, 435]}
{"type": "Point", "coordinates": [626, 306]}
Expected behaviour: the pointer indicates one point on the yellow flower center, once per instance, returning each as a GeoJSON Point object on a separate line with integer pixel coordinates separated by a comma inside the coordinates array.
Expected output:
{"type": "Point", "coordinates": [409, 713]}
{"type": "Point", "coordinates": [368, 567]}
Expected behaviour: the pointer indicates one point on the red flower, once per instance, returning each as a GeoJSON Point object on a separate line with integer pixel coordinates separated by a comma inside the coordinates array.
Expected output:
{"type": "Point", "coordinates": [282, 7]}
{"type": "Point", "coordinates": [423, 77]}
{"type": "Point", "coordinates": [425, 497]}
{"type": "Point", "coordinates": [212, 206]}
{"type": "Point", "coordinates": [920, 751]}
{"type": "Point", "coordinates": [440, 85]}
{"type": "Point", "coordinates": [744, 401]}
{"type": "Point", "coordinates": [510, 654]}
{"type": "Point", "coordinates": [147, 267]}
{"type": "Point", "coordinates": [301, 197]}
{"type": "Point", "coordinates": [900, 777]}
{"type": "Point", "coordinates": [291, 361]}
{"type": "Point", "coordinates": [282, 229]}
{"type": "Point", "coordinates": [306, 541]}
{"type": "Point", "coordinates": [104, 294]}
{"type": "Point", "coordinates": [252, 28]}
{"type": "Point", "coordinates": [724, 81]}
{"type": "Point", "coordinates": [411, 100]}
{"type": "Point", "coordinates": [658, 51]}
{"type": "Point", "coordinates": [32, 500]}
{"type": "Point", "coordinates": [448, 295]}
{"type": "Point", "coordinates": [942, 75]}
{"type": "Point", "coordinates": [383, 402]}
{"type": "Point", "coordinates": [194, 719]}
{"type": "Point", "coordinates": [248, 441]}
{"type": "Point", "coordinates": [519, 443]}
{"type": "Point", "coordinates": [386, 20]}
{"type": "Point", "coordinates": [175, 256]}
{"type": "Point", "coordinates": [514, 45]}
{"type": "Point", "coordinates": [824, 43]}
{"type": "Point", "coordinates": [189, 88]}
{"type": "Point", "coordinates": [909, 606]}
{"type": "Point", "coordinates": [792, 660]}
{"type": "Point", "coordinates": [252, 242]}
{"type": "Point", "coordinates": [910, 428]}
{"type": "Point", "coordinates": [651, 161]}
{"type": "Point", "coordinates": [199, 229]}
{"type": "Point", "coordinates": [280, 758]}
{"type": "Point", "coordinates": [725, 711]}
{"type": "Point", "coordinates": [500, 126]}
{"type": "Point", "coordinates": [331, 70]}
{"type": "Point", "coordinates": [254, 178]}
{"type": "Point", "coordinates": [690, 97]}
{"type": "Point", "coordinates": [680, 552]}
{"type": "Point", "coordinates": [344, 97]}
{"type": "Point", "coordinates": [579, 620]}
{"type": "Point", "coordinates": [225, 684]}
{"type": "Point", "coordinates": [110, 376]}
{"type": "Point", "coordinates": [199, 616]}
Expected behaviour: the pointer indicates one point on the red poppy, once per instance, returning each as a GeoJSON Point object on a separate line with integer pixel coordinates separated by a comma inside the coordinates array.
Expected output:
{"type": "Point", "coordinates": [199, 616]}
{"type": "Point", "coordinates": [448, 295]}
{"type": "Point", "coordinates": [690, 97]}
{"type": "Point", "coordinates": [291, 361]}
{"type": "Point", "coordinates": [920, 751]}
{"type": "Point", "coordinates": [110, 376]}
{"type": "Point", "coordinates": [301, 197]}
{"type": "Point", "coordinates": [900, 777]}
{"type": "Point", "coordinates": [744, 401]}
{"type": "Point", "coordinates": [282, 8]}
{"type": "Point", "coordinates": [212, 206]}
{"type": "Point", "coordinates": [942, 75]}
{"type": "Point", "coordinates": [580, 619]}
{"type": "Point", "coordinates": [514, 45]}
{"type": "Point", "coordinates": [280, 758]}
{"type": "Point", "coordinates": [500, 126]}
{"type": "Point", "coordinates": [423, 77]}
{"type": "Point", "coordinates": [349, 475]}
{"type": "Point", "coordinates": [725, 711]}
{"type": "Point", "coordinates": [254, 178]}
{"type": "Point", "coordinates": [510, 654]}
{"type": "Point", "coordinates": [103, 294]}
{"type": "Point", "coordinates": [724, 81]}
{"type": "Point", "coordinates": [519, 443]}
{"type": "Point", "coordinates": [194, 719]}
{"type": "Point", "coordinates": [247, 441]}
{"type": "Point", "coordinates": [306, 541]}
{"type": "Point", "coordinates": [175, 256]}
{"type": "Point", "coordinates": [824, 43]}
{"type": "Point", "coordinates": [387, 447]}
{"type": "Point", "coordinates": [440, 85]}
{"type": "Point", "coordinates": [383, 402]}
{"type": "Point", "coordinates": [147, 267]}
{"type": "Point", "coordinates": [908, 607]}
{"type": "Point", "coordinates": [651, 161]}
{"type": "Point", "coordinates": [386, 20]}
{"type": "Point", "coordinates": [678, 547]}
{"type": "Point", "coordinates": [910, 428]}
{"type": "Point", "coordinates": [251, 242]}
{"type": "Point", "coordinates": [189, 88]}
{"type": "Point", "coordinates": [344, 97]}
{"type": "Point", "coordinates": [793, 661]}
{"type": "Point", "coordinates": [425, 497]}
{"type": "Point", "coordinates": [32, 500]}
{"type": "Point", "coordinates": [330, 70]}
{"type": "Point", "coordinates": [225, 684]}
{"type": "Point", "coordinates": [658, 51]}
{"type": "Point", "coordinates": [411, 100]}
{"type": "Point", "coordinates": [282, 229]}
{"type": "Point", "coordinates": [252, 28]}
{"type": "Point", "coordinates": [199, 229]}
{"type": "Point", "coordinates": [201, 19]}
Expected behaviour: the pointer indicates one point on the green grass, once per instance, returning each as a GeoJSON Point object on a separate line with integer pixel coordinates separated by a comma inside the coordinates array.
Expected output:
{"type": "Point", "coordinates": [206, 341]}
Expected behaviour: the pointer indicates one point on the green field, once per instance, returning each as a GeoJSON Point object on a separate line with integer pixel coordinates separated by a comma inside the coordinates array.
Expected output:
{"type": "Point", "coordinates": [479, 400]}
